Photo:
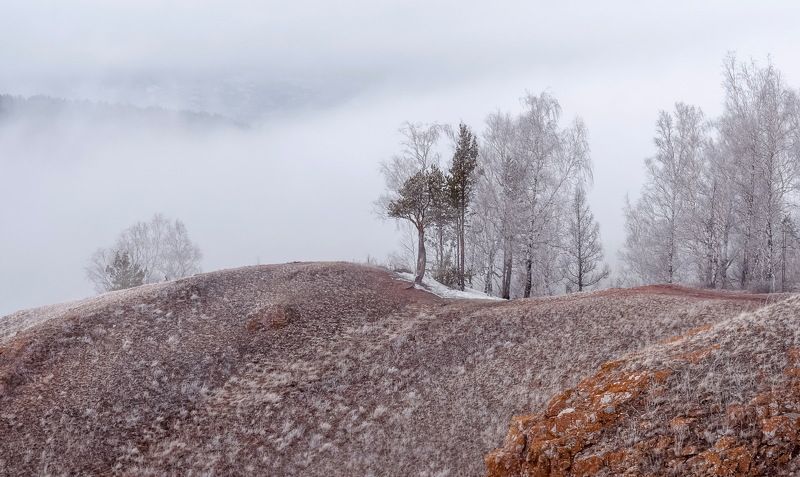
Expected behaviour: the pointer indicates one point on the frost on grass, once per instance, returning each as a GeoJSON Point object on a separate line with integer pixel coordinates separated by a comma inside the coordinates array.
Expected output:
{"type": "Point", "coordinates": [306, 369]}
{"type": "Point", "coordinates": [721, 399]}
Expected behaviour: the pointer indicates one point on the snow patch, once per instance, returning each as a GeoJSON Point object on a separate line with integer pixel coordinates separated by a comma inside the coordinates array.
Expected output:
{"type": "Point", "coordinates": [443, 291]}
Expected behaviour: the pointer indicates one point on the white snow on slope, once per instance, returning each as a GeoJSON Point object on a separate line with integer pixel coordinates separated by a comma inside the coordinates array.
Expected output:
{"type": "Point", "coordinates": [443, 291]}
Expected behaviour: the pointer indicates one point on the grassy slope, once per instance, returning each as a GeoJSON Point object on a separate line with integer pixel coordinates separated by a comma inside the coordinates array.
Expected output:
{"type": "Point", "coordinates": [720, 400]}
{"type": "Point", "coordinates": [312, 369]}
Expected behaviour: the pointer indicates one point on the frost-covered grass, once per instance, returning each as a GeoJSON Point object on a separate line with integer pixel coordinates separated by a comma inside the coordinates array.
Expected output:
{"type": "Point", "coordinates": [728, 381]}
{"type": "Point", "coordinates": [21, 320]}
{"type": "Point", "coordinates": [443, 291]}
{"type": "Point", "coordinates": [303, 369]}
{"type": "Point", "coordinates": [722, 399]}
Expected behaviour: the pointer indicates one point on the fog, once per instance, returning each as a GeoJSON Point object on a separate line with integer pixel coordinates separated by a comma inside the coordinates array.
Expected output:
{"type": "Point", "coordinates": [311, 96]}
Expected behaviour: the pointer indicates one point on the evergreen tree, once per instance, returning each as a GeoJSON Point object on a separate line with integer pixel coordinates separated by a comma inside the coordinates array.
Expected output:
{"type": "Point", "coordinates": [460, 184]}
{"type": "Point", "coordinates": [417, 200]}
{"type": "Point", "coordinates": [442, 217]}
{"type": "Point", "coordinates": [124, 273]}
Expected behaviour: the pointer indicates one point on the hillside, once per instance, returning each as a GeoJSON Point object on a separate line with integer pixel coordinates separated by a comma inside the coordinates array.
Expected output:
{"type": "Point", "coordinates": [312, 369]}
{"type": "Point", "coordinates": [721, 400]}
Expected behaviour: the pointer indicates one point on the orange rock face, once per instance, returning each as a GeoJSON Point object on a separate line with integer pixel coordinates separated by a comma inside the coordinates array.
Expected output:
{"type": "Point", "coordinates": [760, 437]}
{"type": "Point", "coordinates": [547, 444]}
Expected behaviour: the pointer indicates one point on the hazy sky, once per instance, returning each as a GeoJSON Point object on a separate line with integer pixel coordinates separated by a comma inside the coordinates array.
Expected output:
{"type": "Point", "coordinates": [325, 86]}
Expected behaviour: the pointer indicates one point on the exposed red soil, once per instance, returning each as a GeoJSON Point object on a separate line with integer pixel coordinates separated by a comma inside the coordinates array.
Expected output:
{"type": "Point", "coordinates": [682, 291]}
{"type": "Point", "coordinates": [642, 415]}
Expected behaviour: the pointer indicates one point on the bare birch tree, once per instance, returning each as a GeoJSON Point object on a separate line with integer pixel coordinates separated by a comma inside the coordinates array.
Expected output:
{"type": "Point", "coordinates": [759, 131]}
{"type": "Point", "coordinates": [502, 185]}
{"type": "Point", "coordinates": [713, 208]}
{"type": "Point", "coordinates": [555, 159]}
{"type": "Point", "coordinates": [583, 262]}
{"type": "Point", "coordinates": [659, 217]}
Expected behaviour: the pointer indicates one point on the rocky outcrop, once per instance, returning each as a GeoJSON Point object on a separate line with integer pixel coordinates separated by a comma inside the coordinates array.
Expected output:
{"type": "Point", "coordinates": [275, 316]}
{"type": "Point", "coordinates": [643, 415]}
{"type": "Point", "coordinates": [550, 443]}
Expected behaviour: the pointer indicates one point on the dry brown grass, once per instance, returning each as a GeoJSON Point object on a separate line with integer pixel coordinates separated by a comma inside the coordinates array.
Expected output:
{"type": "Point", "coordinates": [304, 369]}
{"type": "Point", "coordinates": [719, 400]}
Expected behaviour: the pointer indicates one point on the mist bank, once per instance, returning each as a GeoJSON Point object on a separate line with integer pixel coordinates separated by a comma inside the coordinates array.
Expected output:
{"type": "Point", "coordinates": [71, 178]}
{"type": "Point", "coordinates": [298, 186]}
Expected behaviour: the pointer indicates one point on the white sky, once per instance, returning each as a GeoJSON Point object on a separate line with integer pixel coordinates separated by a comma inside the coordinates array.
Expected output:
{"type": "Point", "coordinates": [300, 185]}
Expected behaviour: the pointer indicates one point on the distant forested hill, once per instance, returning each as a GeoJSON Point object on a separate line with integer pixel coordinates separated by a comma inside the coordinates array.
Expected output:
{"type": "Point", "coordinates": [41, 110]}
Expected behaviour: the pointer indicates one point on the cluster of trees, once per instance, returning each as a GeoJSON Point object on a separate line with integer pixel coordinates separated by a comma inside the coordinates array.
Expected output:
{"type": "Point", "coordinates": [429, 198]}
{"type": "Point", "coordinates": [146, 252]}
{"type": "Point", "coordinates": [718, 208]}
{"type": "Point", "coordinates": [510, 213]}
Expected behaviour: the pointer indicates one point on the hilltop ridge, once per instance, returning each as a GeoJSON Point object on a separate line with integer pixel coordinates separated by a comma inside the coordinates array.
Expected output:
{"type": "Point", "coordinates": [305, 368]}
